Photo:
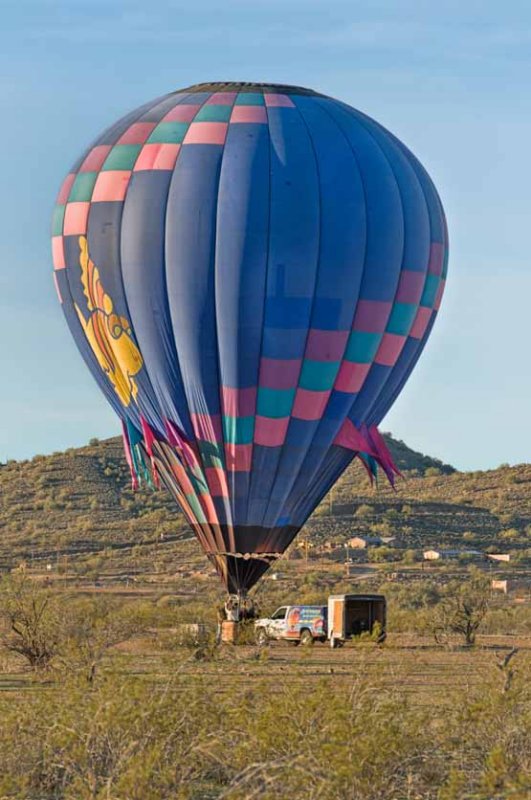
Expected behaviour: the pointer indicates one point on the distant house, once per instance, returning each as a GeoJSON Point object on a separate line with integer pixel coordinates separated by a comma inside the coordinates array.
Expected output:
{"type": "Point", "coordinates": [437, 555]}
{"type": "Point", "coordinates": [328, 546]}
{"type": "Point", "coordinates": [499, 556]}
{"type": "Point", "coordinates": [362, 542]}
{"type": "Point", "coordinates": [519, 588]}
{"type": "Point", "coordinates": [499, 586]}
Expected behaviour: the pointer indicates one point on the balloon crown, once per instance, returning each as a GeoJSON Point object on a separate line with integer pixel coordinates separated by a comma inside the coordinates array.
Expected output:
{"type": "Point", "coordinates": [232, 86]}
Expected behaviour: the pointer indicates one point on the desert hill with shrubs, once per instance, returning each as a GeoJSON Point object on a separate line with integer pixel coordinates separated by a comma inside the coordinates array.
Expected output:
{"type": "Point", "coordinates": [77, 507]}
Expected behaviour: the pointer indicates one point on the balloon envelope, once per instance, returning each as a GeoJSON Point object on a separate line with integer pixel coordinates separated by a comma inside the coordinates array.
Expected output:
{"type": "Point", "coordinates": [250, 273]}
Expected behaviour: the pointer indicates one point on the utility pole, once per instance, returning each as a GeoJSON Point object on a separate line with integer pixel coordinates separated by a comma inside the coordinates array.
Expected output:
{"type": "Point", "coordinates": [330, 502]}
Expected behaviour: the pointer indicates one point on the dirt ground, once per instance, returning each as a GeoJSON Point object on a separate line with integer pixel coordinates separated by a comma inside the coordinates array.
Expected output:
{"type": "Point", "coordinates": [416, 666]}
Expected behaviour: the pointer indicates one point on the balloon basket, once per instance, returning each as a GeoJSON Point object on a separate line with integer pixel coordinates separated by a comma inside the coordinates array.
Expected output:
{"type": "Point", "coordinates": [230, 632]}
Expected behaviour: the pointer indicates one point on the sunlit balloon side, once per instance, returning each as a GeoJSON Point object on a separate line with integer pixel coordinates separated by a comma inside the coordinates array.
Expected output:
{"type": "Point", "coordinates": [250, 273]}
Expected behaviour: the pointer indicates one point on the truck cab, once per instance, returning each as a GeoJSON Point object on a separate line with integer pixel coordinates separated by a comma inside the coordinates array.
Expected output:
{"type": "Point", "coordinates": [297, 624]}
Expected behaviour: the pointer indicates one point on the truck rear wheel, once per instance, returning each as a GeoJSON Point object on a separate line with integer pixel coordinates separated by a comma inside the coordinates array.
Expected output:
{"type": "Point", "coordinates": [306, 638]}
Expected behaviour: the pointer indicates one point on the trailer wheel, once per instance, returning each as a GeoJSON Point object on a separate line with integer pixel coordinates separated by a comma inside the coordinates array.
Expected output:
{"type": "Point", "coordinates": [306, 638]}
{"type": "Point", "coordinates": [261, 637]}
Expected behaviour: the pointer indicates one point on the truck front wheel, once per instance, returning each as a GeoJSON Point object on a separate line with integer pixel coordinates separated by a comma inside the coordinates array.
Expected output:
{"type": "Point", "coordinates": [306, 638]}
{"type": "Point", "coordinates": [261, 637]}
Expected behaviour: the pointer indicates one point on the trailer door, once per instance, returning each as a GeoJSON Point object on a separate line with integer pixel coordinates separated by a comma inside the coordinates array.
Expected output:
{"type": "Point", "coordinates": [338, 617]}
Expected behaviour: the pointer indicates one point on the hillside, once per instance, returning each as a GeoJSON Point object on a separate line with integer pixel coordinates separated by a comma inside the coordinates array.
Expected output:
{"type": "Point", "coordinates": [76, 509]}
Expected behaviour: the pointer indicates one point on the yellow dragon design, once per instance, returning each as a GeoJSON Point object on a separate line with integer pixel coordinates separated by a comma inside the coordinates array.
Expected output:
{"type": "Point", "coordinates": [108, 334]}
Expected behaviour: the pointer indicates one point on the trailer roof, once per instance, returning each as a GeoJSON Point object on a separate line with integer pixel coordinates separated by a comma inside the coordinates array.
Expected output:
{"type": "Point", "coordinates": [356, 597]}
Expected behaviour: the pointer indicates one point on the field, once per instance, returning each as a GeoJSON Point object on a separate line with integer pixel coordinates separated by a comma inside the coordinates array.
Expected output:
{"type": "Point", "coordinates": [165, 719]}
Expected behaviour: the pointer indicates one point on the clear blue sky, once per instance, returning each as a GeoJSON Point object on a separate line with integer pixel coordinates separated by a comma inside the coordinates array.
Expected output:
{"type": "Point", "coordinates": [451, 79]}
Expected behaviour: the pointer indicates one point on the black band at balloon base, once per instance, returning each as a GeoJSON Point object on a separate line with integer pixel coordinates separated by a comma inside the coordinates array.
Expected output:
{"type": "Point", "coordinates": [237, 573]}
{"type": "Point", "coordinates": [233, 551]}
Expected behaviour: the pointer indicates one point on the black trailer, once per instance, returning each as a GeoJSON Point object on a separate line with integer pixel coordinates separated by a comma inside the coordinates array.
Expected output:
{"type": "Point", "coordinates": [350, 615]}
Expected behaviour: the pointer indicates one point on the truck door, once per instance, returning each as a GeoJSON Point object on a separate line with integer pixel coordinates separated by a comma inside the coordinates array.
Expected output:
{"type": "Point", "coordinates": [277, 625]}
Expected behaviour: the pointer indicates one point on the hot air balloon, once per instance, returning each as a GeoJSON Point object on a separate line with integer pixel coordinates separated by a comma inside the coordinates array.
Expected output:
{"type": "Point", "coordinates": [250, 272]}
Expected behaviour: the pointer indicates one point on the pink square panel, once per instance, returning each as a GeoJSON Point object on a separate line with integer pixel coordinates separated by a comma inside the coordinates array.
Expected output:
{"type": "Point", "coordinates": [182, 113]}
{"type": "Point", "coordinates": [182, 478]}
{"type": "Point", "coordinates": [207, 427]}
{"type": "Point", "coordinates": [238, 457]}
{"type": "Point", "coordinates": [418, 329]}
{"type": "Point", "coordinates": [309, 405]}
{"type": "Point", "coordinates": [206, 133]}
{"type": "Point", "coordinates": [436, 258]}
{"type": "Point", "coordinates": [249, 114]}
{"type": "Point", "coordinates": [278, 101]}
{"type": "Point", "coordinates": [76, 216]}
{"type": "Point", "coordinates": [221, 99]}
{"type": "Point", "coordinates": [239, 402]}
{"type": "Point", "coordinates": [94, 160]}
{"type": "Point", "coordinates": [58, 252]}
{"type": "Point", "coordinates": [326, 345]}
{"type": "Point", "coordinates": [270, 432]}
{"type": "Point", "coordinates": [351, 377]}
{"type": "Point", "coordinates": [209, 508]}
{"type": "Point", "coordinates": [217, 482]}
{"type": "Point", "coordinates": [157, 156]}
{"type": "Point", "coordinates": [410, 286]}
{"type": "Point", "coordinates": [389, 350]}
{"type": "Point", "coordinates": [279, 373]}
{"type": "Point", "coordinates": [111, 185]}
{"type": "Point", "coordinates": [371, 316]}
{"type": "Point", "coordinates": [137, 133]}
{"type": "Point", "coordinates": [438, 296]}
{"type": "Point", "coordinates": [64, 191]}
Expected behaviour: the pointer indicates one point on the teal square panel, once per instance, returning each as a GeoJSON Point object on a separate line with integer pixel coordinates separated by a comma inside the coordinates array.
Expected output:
{"type": "Point", "coordinates": [213, 114]}
{"type": "Point", "coordinates": [238, 430]}
{"type": "Point", "coordinates": [211, 454]}
{"type": "Point", "coordinates": [362, 347]}
{"type": "Point", "coordinates": [401, 319]}
{"type": "Point", "coordinates": [318, 376]}
{"type": "Point", "coordinates": [81, 191]}
{"type": "Point", "coordinates": [169, 133]}
{"type": "Point", "coordinates": [275, 403]}
{"type": "Point", "coordinates": [249, 99]}
{"type": "Point", "coordinates": [430, 291]}
{"type": "Point", "coordinates": [122, 157]}
{"type": "Point", "coordinates": [57, 220]}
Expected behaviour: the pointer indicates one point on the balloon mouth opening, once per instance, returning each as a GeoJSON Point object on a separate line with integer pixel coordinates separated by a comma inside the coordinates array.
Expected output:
{"type": "Point", "coordinates": [269, 557]}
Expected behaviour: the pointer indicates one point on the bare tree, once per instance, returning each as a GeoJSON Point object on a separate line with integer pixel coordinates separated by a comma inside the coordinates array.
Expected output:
{"type": "Point", "coordinates": [31, 621]}
{"type": "Point", "coordinates": [463, 608]}
{"type": "Point", "coordinates": [506, 669]}
{"type": "Point", "coordinates": [92, 628]}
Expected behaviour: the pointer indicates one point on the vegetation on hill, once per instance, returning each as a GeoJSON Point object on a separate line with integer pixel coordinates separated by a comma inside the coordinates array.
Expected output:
{"type": "Point", "coordinates": [76, 511]}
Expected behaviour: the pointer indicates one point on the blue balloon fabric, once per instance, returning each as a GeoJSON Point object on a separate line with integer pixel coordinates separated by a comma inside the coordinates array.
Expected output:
{"type": "Point", "coordinates": [250, 273]}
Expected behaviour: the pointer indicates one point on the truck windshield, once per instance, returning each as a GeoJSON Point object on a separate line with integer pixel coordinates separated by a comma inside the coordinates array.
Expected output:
{"type": "Point", "coordinates": [280, 613]}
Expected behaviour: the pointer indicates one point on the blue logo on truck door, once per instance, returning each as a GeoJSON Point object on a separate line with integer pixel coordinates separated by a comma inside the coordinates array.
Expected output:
{"type": "Point", "coordinates": [312, 618]}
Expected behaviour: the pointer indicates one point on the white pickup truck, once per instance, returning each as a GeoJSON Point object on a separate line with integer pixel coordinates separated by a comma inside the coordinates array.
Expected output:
{"type": "Point", "coordinates": [297, 624]}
